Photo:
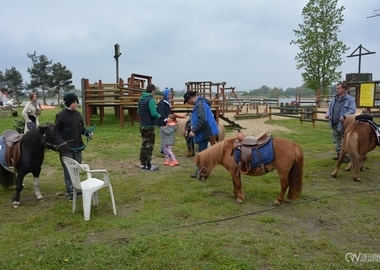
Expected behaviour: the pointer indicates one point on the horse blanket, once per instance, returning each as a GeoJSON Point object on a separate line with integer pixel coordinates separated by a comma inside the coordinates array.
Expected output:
{"type": "Point", "coordinates": [266, 152]}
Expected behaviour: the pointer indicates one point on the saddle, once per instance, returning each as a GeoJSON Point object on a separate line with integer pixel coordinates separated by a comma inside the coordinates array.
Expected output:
{"type": "Point", "coordinates": [246, 148]}
{"type": "Point", "coordinates": [12, 140]}
{"type": "Point", "coordinates": [369, 119]}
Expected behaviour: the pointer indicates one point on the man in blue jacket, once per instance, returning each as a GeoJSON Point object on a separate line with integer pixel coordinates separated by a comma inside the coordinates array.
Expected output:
{"type": "Point", "coordinates": [203, 124]}
{"type": "Point", "coordinates": [341, 105]}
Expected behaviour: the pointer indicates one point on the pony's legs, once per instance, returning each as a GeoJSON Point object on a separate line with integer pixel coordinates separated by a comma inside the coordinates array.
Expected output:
{"type": "Point", "coordinates": [19, 187]}
{"type": "Point", "coordinates": [342, 155]}
{"type": "Point", "coordinates": [237, 192]}
{"type": "Point", "coordinates": [284, 186]}
{"type": "Point", "coordinates": [37, 191]}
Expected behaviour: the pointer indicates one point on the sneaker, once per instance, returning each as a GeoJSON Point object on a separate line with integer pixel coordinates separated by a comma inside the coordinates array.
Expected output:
{"type": "Point", "coordinates": [143, 167]}
{"type": "Point", "coordinates": [151, 168]}
{"type": "Point", "coordinates": [69, 197]}
{"type": "Point", "coordinates": [336, 157]}
{"type": "Point", "coordinates": [167, 162]}
{"type": "Point", "coordinates": [194, 175]}
{"type": "Point", "coordinates": [174, 163]}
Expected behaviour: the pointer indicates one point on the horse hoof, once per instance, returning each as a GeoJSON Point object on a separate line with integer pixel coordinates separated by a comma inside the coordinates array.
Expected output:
{"type": "Point", "coordinates": [347, 169]}
{"type": "Point", "coordinates": [40, 198]}
{"type": "Point", "coordinates": [357, 180]}
{"type": "Point", "coordinates": [239, 201]}
{"type": "Point", "coordinates": [276, 203]}
{"type": "Point", "coordinates": [288, 200]}
{"type": "Point", "coordinates": [333, 175]}
{"type": "Point", "coordinates": [16, 204]}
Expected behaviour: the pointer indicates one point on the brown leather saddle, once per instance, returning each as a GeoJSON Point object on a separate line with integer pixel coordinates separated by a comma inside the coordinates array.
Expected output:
{"type": "Point", "coordinates": [246, 146]}
{"type": "Point", "coordinates": [12, 140]}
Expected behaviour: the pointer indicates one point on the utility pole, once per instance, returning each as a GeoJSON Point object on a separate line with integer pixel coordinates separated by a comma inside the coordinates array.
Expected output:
{"type": "Point", "coordinates": [116, 56]}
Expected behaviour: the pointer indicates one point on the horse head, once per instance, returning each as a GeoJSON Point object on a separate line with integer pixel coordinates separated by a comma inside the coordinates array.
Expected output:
{"type": "Point", "coordinates": [52, 140]}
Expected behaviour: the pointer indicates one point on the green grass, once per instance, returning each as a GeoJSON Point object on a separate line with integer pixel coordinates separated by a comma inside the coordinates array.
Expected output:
{"type": "Point", "coordinates": [166, 220]}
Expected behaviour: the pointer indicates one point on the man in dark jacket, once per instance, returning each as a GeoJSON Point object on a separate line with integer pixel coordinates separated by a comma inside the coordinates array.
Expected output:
{"type": "Point", "coordinates": [70, 125]}
{"type": "Point", "coordinates": [148, 115]}
{"type": "Point", "coordinates": [203, 124]}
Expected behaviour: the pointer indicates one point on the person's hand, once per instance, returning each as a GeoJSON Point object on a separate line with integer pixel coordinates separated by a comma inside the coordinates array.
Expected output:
{"type": "Point", "coordinates": [191, 134]}
{"type": "Point", "coordinates": [327, 116]}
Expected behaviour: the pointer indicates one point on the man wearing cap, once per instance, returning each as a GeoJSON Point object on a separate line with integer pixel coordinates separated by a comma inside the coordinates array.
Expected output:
{"type": "Point", "coordinates": [148, 114]}
{"type": "Point", "coordinates": [203, 124]}
{"type": "Point", "coordinates": [70, 125]}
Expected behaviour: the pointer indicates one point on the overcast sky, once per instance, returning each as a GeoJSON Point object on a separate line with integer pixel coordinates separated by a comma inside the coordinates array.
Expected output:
{"type": "Point", "coordinates": [245, 43]}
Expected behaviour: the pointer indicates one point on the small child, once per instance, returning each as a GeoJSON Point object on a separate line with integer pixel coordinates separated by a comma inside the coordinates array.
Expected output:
{"type": "Point", "coordinates": [168, 137]}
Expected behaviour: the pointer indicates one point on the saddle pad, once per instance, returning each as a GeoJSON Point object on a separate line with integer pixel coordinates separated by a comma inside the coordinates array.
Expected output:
{"type": "Point", "coordinates": [266, 151]}
{"type": "Point", "coordinates": [3, 147]}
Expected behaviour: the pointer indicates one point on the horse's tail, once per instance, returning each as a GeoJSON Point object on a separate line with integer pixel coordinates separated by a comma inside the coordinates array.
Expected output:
{"type": "Point", "coordinates": [7, 178]}
{"type": "Point", "coordinates": [296, 174]}
{"type": "Point", "coordinates": [351, 142]}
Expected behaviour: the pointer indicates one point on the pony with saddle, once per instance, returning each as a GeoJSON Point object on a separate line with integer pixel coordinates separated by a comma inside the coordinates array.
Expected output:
{"type": "Point", "coordinates": [184, 128]}
{"type": "Point", "coordinates": [23, 154]}
{"type": "Point", "coordinates": [254, 157]}
{"type": "Point", "coordinates": [361, 135]}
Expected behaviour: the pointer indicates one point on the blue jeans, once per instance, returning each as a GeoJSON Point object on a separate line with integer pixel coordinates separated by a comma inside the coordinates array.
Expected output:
{"type": "Point", "coordinates": [76, 156]}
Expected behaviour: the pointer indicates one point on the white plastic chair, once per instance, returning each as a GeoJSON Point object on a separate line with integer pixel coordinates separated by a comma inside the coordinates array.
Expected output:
{"type": "Point", "coordinates": [89, 187]}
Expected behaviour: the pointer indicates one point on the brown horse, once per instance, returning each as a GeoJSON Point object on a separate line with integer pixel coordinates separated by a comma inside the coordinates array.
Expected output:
{"type": "Point", "coordinates": [182, 131]}
{"type": "Point", "coordinates": [288, 161]}
{"type": "Point", "coordinates": [359, 139]}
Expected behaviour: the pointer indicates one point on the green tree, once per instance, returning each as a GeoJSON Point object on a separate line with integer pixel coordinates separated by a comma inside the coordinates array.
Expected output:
{"type": "Point", "coordinates": [40, 73]}
{"type": "Point", "coordinates": [61, 79]}
{"type": "Point", "coordinates": [12, 78]}
{"type": "Point", "coordinates": [320, 49]}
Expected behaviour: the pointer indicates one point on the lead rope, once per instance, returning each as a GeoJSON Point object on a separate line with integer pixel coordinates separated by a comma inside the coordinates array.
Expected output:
{"type": "Point", "coordinates": [87, 134]}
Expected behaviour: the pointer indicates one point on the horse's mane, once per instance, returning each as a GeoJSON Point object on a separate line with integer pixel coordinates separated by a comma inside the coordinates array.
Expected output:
{"type": "Point", "coordinates": [33, 140]}
{"type": "Point", "coordinates": [213, 155]}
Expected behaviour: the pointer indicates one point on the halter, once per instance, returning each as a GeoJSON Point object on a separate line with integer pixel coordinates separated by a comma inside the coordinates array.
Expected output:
{"type": "Point", "coordinates": [202, 172]}
{"type": "Point", "coordinates": [55, 147]}
{"type": "Point", "coordinates": [87, 134]}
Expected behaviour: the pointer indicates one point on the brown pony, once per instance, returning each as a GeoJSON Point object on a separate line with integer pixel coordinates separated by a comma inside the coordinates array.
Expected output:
{"type": "Point", "coordinates": [288, 161]}
{"type": "Point", "coordinates": [359, 139]}
{"type": "Point", "coordinates": [182, 126]}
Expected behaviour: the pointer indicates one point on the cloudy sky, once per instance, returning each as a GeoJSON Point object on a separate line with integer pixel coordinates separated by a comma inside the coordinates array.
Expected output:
{"type": "Point", "coordinates": [245, 43]}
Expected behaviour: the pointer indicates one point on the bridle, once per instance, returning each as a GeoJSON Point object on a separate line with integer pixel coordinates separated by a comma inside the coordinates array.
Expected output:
{"type": "Point", "coordinates": [52, 146]}
{"type": "Point", "coordinates": [203, 172]}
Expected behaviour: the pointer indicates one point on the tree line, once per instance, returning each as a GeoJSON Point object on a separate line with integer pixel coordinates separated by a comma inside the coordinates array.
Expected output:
{"type": "Point", "coordinates": [49, 77]}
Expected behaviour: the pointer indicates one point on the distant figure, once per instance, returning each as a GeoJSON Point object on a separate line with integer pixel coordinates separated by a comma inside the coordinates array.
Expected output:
{"type": "Point", "coordinates": [148, 114]}
{"type": "Point", "coordinates": [70, 125]}
{"type": "Point", "coordinates": [341, 105]}
{"type": "Point", "coordinates": [31, 112]}
{"type": "Point", "coordinates": [203, 124]}
{"type": "Point", "coordinates": [168, 137]}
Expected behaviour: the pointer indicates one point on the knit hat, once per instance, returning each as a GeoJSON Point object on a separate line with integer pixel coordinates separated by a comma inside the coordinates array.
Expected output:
{"type": "Point", "coordinates": [70, 98]}
{"type": "Point", "coordinates": [188, 95]}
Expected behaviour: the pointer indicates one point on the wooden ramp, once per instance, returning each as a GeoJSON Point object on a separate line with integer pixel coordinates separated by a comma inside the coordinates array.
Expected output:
{"type": "Point", "coordinates": [232, 123]}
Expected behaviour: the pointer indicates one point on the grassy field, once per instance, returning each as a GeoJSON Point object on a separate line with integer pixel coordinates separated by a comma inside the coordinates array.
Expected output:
{"type": "Point", "coordinates": [166, 220]}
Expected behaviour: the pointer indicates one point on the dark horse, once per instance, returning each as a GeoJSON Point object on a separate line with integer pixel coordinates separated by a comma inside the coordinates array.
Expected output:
{"type": "Point", "coordinates": [288, 161]}
{"type": "Point", "coordinates": [32, 150]}
{"type": "Point", "coordinates": [360, 137]}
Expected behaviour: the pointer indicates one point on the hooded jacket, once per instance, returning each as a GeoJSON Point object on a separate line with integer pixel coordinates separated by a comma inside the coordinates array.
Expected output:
{"type": "Point", "coordinates": [202, 120]}
{"type": "Point", "coordinates": [163, 108]}
{"type": "Point", "coordinates": [169, 132]}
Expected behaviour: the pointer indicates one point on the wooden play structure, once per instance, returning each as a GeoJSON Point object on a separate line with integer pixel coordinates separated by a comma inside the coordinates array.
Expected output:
{"type": "Point", "coordinates": [124, 96]}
